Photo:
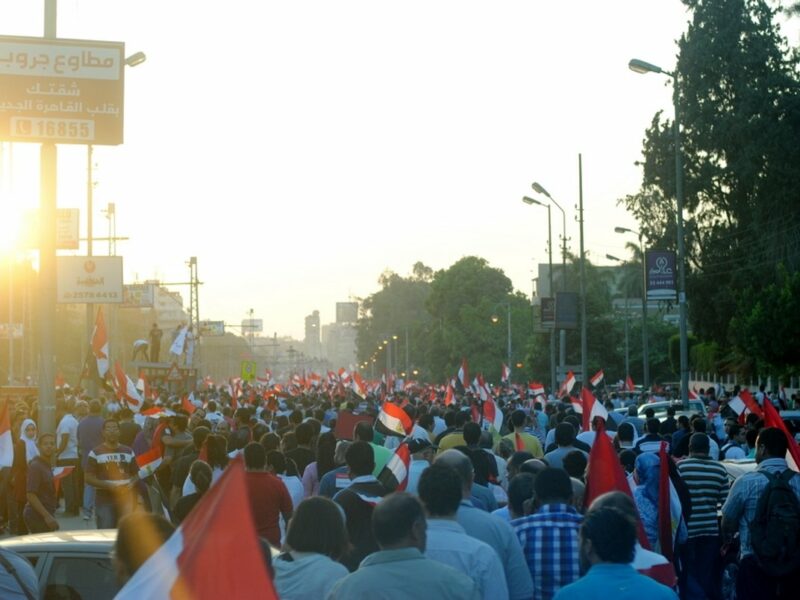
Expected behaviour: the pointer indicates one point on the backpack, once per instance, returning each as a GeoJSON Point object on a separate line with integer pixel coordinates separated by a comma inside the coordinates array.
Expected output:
{"type": "Point", "coordinates": [775, 530]}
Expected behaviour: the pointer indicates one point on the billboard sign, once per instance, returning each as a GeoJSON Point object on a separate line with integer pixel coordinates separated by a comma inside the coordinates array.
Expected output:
{"type": "Point", "coordinates": [90, 279]}
{"type": "Point", "coordinates": [14, 329]}
{"type": "Point", "coordinates": [548, 307]}
{"type": "Point", "coordinates": [138, 295]}
{"type": "Point", "coordinates": [212, 328]}
{"type": "Point", "coordinates": [661, 275]}
{"type": "Point", "coordinates": [566, 310]}
{"type": "Point", "coordinates": [61, 90]}
{"type": "Point", "coordinates": [252, 326]}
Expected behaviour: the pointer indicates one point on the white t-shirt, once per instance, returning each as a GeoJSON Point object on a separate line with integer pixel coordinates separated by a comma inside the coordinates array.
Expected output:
{"type": "Point", "coordinates": [69, 426]}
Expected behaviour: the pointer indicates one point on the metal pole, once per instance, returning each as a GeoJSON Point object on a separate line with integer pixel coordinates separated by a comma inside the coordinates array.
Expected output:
{"type": "Point", "coordinates": [684, 343]}
{"type": "Point", "coordinates": [91, 386]}
{"type": "Point", "coordinates": [553, 380]}
{"type": "Point", "coordinates": [645, 349]}
{"type": "Point", "coordinates": [509, 336]}
{"type": "Point", "coordinates": [407, 364]}
{"type": "Point", "coordinates": [47, 263]}
{"type": "Point", "coordinates": [562, 352]}
{"type": "Point", "coordinates": [10, 321]}
{"type": "Point", "coordinates": [584, 349]}
{"type": "Point", "coordinates": [627, 347]}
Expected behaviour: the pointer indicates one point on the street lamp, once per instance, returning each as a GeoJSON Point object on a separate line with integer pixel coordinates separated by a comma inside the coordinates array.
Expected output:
{"type": "Point", "coordinates": [495, 319]}
{"type": "Point", "coordinates": [645, 345]}
{"type": "Point", "coordinates": [627, 345]}
{"type": "Point", "coordinates": [640, 66]}
{"type": "Point", "coordinates": [531, 201]}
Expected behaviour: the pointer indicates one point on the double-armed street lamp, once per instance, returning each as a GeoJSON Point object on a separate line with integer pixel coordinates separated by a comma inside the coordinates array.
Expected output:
{"type": "Point", "coordinates": [641, 67]}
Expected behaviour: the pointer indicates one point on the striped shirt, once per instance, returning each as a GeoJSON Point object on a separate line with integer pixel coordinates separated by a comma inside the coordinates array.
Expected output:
{"type": "Point", "coordinates": [549, 539]}
{"type": "Point", "coordinates": [707, 481]}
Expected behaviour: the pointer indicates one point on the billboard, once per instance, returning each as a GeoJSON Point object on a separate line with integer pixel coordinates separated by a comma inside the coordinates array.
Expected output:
{"type": "Point", "coordinates": [252, 326]}
{"type": "Point", "coordinates": [660, 267]}
{"type": "Point", "coordinates": [566, 310]}
{"type": "Point", "coordinates": [138, 295]}
{"type": "Point", "coordinates": [212, 328]}
{"type": "Point", "coordinates": [60, 90]}
{"type": "Point", "coordinates": [90, 279]}
{"type": "Point", "coordinates": [67, 228]}
{"type": "Point", "coordinates": [548, 315]}
{"type": "Point", "coordinates": [15, 330]}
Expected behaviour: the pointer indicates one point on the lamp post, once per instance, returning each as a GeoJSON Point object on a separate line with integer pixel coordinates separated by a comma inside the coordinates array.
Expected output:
{"type": "Point", "coordinates": [495, 319]}
{"type": "Point", "coordinates": [627, 346]}
{"type": "Point", "coordinates": [532, 201]}
{"type": "Point", "coordinates": [641, 67]}
{"type": "Point", "coordinates": [645, 346]}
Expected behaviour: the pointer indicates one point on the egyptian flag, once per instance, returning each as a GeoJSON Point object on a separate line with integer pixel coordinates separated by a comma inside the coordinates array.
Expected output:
{"type": "Point", "coordinates": [393, 420]}
{"type": "Point", "coordinates": [149, 461]}
{"type": "Point", "coordinates": [492, 415]}
{"type": "Point", "coordinates": [448, 397]}
{"type": "Point", "coordinates": [215, 553]}
{"type": "Point", "coordinates": [359, 387]}
{"type": "Point", "coordinates": [462, 378]}
{"type": "Point", "coordinates": [693, 395]}
{"type": "Point", "coordinates": [394, 476]}
{"type": "Point", "coordinates": [6, 441]}
{"type": "Point", "coordinates": [97, 362]}
{"type": "Point", "coordinates": [773, 419]}
{"type": "Point", "coordinates": [629, 387]}
{"type": "Point", "coordinates": [536, 388]}
{"type": "Point", "coordinates": [596, 378]}
{"type": "Point", "coordinates": [591, 409]}
{"type": "Point", "coordinates": [60, 473]}
{"type": "Point", "coordinates": [605, 474]}
{"type": "Point", "coordinates": [126, 391]}
{"type": "Point", "coordinates": [567, 385]}
{"type": "Point", "coordinates": [745, 403]}
{"type": "Point", "coordinates": [670, 512]}
{"type": "Point", "coordinates": [506, 373]}
{"type": "Point", "coordinates": [142, 385]}
{"type": "Point", "coordinates": [187, 404]}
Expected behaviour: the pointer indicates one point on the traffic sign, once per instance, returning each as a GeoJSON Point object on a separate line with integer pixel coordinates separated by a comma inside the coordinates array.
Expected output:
{"type": "Point", "coordinates": [248, 370]}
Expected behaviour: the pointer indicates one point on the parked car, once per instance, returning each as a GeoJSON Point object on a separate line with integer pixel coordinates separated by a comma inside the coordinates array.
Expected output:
{"type": "Point", "coordinates": [73, 565]}
{"type": "Point", "coordinates": [792, 420]}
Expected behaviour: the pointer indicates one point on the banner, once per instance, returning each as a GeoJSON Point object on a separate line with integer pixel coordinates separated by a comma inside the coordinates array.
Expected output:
{"type": "Point", "coordinates": [661, 275]}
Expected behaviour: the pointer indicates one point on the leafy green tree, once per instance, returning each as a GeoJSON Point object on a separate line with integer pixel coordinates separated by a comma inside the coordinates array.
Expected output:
{"type": "Point", "coordinates": [737, 93]}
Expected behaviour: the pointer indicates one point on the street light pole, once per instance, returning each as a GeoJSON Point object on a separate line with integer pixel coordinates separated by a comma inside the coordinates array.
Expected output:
{"type": "Point", "coordinates": [640, 66]}
{"type": "Point", "coordinates": [645, 345]}
{"type": "Point", "coordinates": [528, 200]}
{"type": "Point", "coordinates": [584, 342]}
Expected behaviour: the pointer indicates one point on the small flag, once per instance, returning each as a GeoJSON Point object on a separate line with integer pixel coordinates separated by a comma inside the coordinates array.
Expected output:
{"type": "Point", "coordinates": [536, 388]}
{"type": "Point", "coordinates": [187, 405]}
{"type": "Point", "coordinates": [506, 373]}
{"type": "Point", "coordinates": [60, 473]}
{"type": "Point", "coordinates": [393, 420]}
{"type": "Point", "coordinates": [773, 419]}
{"type": "Point", "coordinates": [448, 397]}
{"type": "Point", "coordinates": [492, 415]}
{"type": "Point", "coordinates": [394, 476]}
{"type": "Point", "coordinates": [629, 387]}
{"type": "Point", "coordinates": [359, 387]}
{"type": "Point", "coordinates": [519, 443]}
{"type": "Point", "coordinates": [126, 391]}
{"type": "Point", "coordinates": [179, 341]}
{"type": "Point", "coordinates": [596, 378]}
{"type": "Point", "coordinates": [149, 461]}
{"type": "Point", "coordinates": [591, 409]}
{"type": "Point", "coordinates": [567, 385]}
{"type": "Point", "coordinates": [463, 375]}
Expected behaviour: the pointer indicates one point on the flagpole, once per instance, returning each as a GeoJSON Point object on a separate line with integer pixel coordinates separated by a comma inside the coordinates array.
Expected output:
{"type": "Point", "coordinates": [584, 350]}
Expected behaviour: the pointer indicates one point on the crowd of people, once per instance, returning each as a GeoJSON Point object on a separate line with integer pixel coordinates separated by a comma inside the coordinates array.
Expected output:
{"type": "Point", "coordinates": [478, 513]}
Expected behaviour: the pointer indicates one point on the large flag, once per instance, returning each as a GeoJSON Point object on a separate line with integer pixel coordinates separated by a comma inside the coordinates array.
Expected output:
{"type": "Point", "coordinates": [179, 342]}
{"type": "Point", "coordinates": [215, 553]}
{"type": "Point", "coordinates": [463, 375]}
{"type": "Point", "coordinates": [359, 387]}
{"type": "Point", "coordinates": [596, 378]}
{"type": "Point", "coordinates": [670, 512]}
{"type": "Point", "coordinates": [536, 388]}
{"type": "Point", "coordinates": [149, 461]}
{"type": "Point", "coordinates": [773, 419]}
{"type": "Point", "coordinates": [605, 474]}
{"type": "Point", "coordinates": [6, 441]}
{"type": "Point", "coordinates": [143, 386]}
{"type": "Point", "coordinates": [745, 402]}
{"type": "Point", "coordinates": [591, 409]}
{"type": "Point", "coordinates": [629, 387]}
{"type": "Point", "coordinates": [506, 373]}
{"type": "Point", "coordinates": [448, 397]}
{"type": "Point", "coordinates": [394, 476]}
{"type": "Point", "coordinates": [126, 390]}
{"type": "Point", "coordinates": [567, 385]}
{"type": "Point", "coordinates": [393, 420]}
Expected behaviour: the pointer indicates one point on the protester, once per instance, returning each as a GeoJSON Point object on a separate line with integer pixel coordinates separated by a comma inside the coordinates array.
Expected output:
{"type": "Point", "coordinates": [217, 458]}
{"type": "Point", "coordinates": [565, 440]}
{"type": "Point", "coordinates": [139, 535]}
{"type": "Point", "coordinates": [269, 498]}
{"type": "Point", "coordinates": [399, 570]}
{"type": "Point", "coordinates": [181, 466]}
{"type": "Point", "coordinates": [448, 543]}
{"type": "Point", "coordinates": [336, 479]}
{"type": "Point", "coordinates": [549, 537]}
{"type": "Point", "coordinates": [25, 450]}
{"type": "Point", "coordinates": [316, 540]}
{"type": "Point", "coordinates": [740, 513]}
{"type": "Point", "coordinates": [90, 435]}
{"type": "Point", "coordinates": [39, 512]}
{"type": "Point", "coordinates": [67, 456]}
{"type": "Point", "coordinates": [651, 441]}
{"type": "Point", "coordinates": [364, 432]}
{"type": "Point", "coordinates": [201, 476]}
{"type": "Point", "coordinates": [520, 489]}
{"type": "Point", "coordinates": [314, 472]}
{"type": "Point", "coordinates": [421, 455]}
{"type": "Point", "coordinates": [112, 470]}
{"type": "Point", "coordinates": [648, 466]}
{"type": "Point", "coordinates": [607, 547]}
{"type": "Point", "coordinates": [521, 439]}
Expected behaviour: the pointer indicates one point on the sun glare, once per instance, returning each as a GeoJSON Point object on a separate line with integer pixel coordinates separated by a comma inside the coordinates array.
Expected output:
{"type": "Point", "coordinates": [14, 227]}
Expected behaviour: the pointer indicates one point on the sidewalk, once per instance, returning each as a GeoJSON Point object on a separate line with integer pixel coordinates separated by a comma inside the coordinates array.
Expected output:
{"type": "Point", "coordinates": [66, 523]}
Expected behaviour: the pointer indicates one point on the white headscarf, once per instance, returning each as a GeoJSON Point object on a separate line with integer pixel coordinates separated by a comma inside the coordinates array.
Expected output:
{"type": "Point", "coordinates": [31, 451]}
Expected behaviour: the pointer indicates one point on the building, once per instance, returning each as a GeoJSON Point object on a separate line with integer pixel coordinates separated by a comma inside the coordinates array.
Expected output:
{"type": "Point", "coordinates": [312, 346]}
{"type": "Point", "coordinates": [339, 341]}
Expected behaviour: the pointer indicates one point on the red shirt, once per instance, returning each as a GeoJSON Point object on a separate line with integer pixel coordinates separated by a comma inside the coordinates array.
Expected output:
{"type": "Point", "coordinates": [268, 499]}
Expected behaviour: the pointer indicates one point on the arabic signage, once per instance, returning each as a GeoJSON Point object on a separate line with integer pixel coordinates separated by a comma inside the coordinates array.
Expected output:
{"type": "Point", "coordinates": [89, 279]}
{"type": "Point", "coordinates": [138, 295]}
{"type": "Point", "coordinates": [67, 228]}
{"type": "Point", "coordinates": [566, 310]}
{"type": "Point", "coordinates": [212, 328]}
{"type": "Point", "coordinates": [661, 281]}
{"type": "Point", "coordinates": [548, 308]}
{"type": "Point", "coordinates": [62, 91]}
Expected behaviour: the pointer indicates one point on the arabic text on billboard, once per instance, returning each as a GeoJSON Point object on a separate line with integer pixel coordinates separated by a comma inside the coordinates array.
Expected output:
{"type": "Point", "coordinates": [138, 295]}
{"type": "Point", "coordinates": [91, 279]}
{"type": "Point", "coordinates": [212, 328]}
{"type": "Point", "coordinates": [661, 280]}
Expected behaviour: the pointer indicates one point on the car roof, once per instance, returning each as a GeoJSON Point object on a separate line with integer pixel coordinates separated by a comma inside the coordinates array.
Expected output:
{"type": "Point", "coordinates": [76, 541]}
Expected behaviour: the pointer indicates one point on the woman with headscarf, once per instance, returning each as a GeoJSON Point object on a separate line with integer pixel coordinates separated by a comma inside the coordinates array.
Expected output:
{"type": "Point", "coordinates": [648, 474]}
{"type": "Point", "coordinates": [326, 446]}
{"type": "Point", "coordinates": [25, 451]}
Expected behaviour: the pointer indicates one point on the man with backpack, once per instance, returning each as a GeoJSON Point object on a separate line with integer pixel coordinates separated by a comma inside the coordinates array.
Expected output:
{"type": "Point", "coordinates": [764, 507]}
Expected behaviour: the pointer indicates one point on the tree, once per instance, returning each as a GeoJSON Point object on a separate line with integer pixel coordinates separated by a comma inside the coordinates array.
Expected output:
{"type": "Point", "coordinates": [737, 93]}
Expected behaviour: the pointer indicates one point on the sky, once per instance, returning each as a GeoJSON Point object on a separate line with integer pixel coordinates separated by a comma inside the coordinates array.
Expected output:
{"type": "Point", "coordinates": [299, 149]}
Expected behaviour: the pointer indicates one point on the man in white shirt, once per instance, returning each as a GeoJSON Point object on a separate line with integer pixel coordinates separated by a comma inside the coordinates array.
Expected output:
{"type": "Point", "coordinates": [422, 452]}
{"type": "Point", "coordinates": [67, 455]}
{"type": "Point", "coordinates": [448, 542]}
{"type": "Point", "coordinates": [212, 413]}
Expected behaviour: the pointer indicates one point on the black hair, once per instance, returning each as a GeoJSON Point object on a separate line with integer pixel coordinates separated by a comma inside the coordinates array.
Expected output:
{"type": "Point", "coordinates": [201, 475]}
{"type": "Point", "coordinates": [653, 425]}
{"type": "Point", "coordinates": [363, 432]}
{"type": "Point", "coordinates": [303, 433]}
{"type": "Point", "coordinates": [317, 526]}
{"type": "Point", "coordinates": [255, 456]}
{"type": "Point", "coordinates": [394, 516]}
{"type": "Point", "coordinates": [517, 419]}
{"type": "Point", "coordinates": [277, 461]}
{"type": "Point", "coordinates": [440, 490]}
{"type": "Point", "coordinates": [574, 463]}
{"type": "Point", "coordinates": [552, 486]}
{"type": "Point", "coordinates": [565, 434]}
{"type": "Point", "coordinates": [360, 458]}
{"type": "Point", "coordinates": [520, 488]}
{"type": "Point", "coordinates": [774, 441]}
{"type": "Point", "coordinates": [612, 533]}
{"type": "Point", "coordinates": [472, 433]}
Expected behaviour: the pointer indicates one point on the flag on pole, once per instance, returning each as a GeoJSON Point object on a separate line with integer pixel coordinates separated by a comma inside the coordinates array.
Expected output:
{"type": "Point", "coordinates": [536, 388]}
{"type": "Point", "coordinates": [393, 420]}
{"type": "Point", "coordinates": [394, 475]}
{"type": "Point", "coordinates": [567, 385]}
{"type": "Point", "coordinates": [359, 387]}
{"type": "Point", "coordinates": [448, 397]}
{"type": "Point", "coordinates": [629, 387]}
{"type": "Point", "coordinates": [596, 378]}
{"type": "Point", "coordinates": [187, 405]}
{"type": "Point", "coordinates": [773, 419]}
{"type": "Point", "coordinates": [126, 391]}
{"type": "Point", "coordinates": [463, 375]}
{"type": "Point", "coordinates": [669, 515]}
{"type": "Point", "coordinates": [6, 441]}
{"type": "Point", "coordinates": [149, 461]}
{"type": "Point", "coordinates": [492, 415]}
{"type": "Point", "coordinates": [506, 373]}
{"type": "Point", "coordinates": [591, 409]}
{"type": "Point", "coordinates": [180, 340]}
{"type": "Point", "coordinates": [215, 553]}
{"type": "Point", "coordinates": [97, 362]}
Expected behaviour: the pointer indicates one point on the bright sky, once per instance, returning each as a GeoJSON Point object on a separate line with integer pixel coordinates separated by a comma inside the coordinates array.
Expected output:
{"type": "Point", "coordinates": [300, 148]}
